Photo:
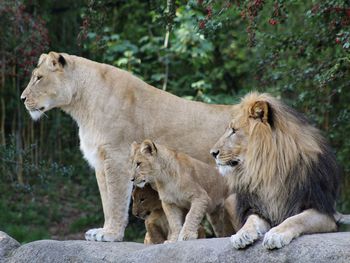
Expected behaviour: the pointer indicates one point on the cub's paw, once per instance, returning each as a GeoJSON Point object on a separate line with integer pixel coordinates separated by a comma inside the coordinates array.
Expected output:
{"type": "Point", "coordinates": [187, 235]}
{"type": "Point", "coordinates": [102, 235]}
{"type": "Point", "coordinates": [276, 239]}
{"type": "Point", "coordinates": [243, 238]}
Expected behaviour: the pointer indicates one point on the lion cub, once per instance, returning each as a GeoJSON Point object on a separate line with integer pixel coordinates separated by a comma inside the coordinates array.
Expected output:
{"type": "Point", "coordinates": [182, 183]}
{"type": "Point", "coordinates": [146, 205]}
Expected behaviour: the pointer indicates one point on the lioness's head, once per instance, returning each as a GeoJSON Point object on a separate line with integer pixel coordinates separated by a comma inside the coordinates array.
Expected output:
{"type": "Point", "coordinates": [145, 200]}
{"type": "Point", "coordinates": [143, 163]}
{"type": "Point", "coordinates": [49, 86]}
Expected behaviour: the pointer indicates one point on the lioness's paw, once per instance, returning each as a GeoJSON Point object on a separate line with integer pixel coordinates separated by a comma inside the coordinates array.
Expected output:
{"type": "Point", "coordinates": [275, 239]}
{"type": "Point", "coordinates": [243, 239]}
{"type": "Point", "coordinates": [102, 235]}
{"type": "Point", "coordinates": [187, 235]}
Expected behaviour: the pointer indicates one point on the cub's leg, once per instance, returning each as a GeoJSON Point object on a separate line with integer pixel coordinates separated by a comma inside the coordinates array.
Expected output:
{"type": "Point", "coordinates": [307, 222]}
{"type": "Point", "coordinates": [254, 228]}
{"type": "Point", "coordinates": [175, 218]}
{"type": "Point", "coordinates": [194, 218]}
{"type": "Point", "coordinates": [230, 214]}
{"type": "Point", "coordinates": [115, 189]}
{"type": "Point", "coordinates": [216, 220]}
{"type": "Point", "coordinates": [154, 231]}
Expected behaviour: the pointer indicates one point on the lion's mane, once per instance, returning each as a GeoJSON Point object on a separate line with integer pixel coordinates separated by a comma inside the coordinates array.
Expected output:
{"type": "Point", "coordinates": [288, 165]}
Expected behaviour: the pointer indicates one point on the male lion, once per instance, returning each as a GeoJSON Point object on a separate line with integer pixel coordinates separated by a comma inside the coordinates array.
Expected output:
{"type": "Point", "coordinates": [146, 205]}
{"type": "Point", "coordinates": [112, 109]}
{"type": "Point", "coordinates": [283, 171]}
{"type": "Point", "coordinates": [183, 183]}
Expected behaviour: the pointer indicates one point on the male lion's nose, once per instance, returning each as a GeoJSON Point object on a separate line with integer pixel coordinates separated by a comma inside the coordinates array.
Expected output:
{"type": "Point", "coordinates": [214, 153]}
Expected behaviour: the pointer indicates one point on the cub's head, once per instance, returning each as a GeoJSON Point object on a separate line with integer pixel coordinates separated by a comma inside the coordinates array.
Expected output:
{"type": "Point", "coordinates": [143, 162]}
{"type": "Point", "coordinates": [49, 86]}
{"type": "Point", "coordinates": [145, 200]}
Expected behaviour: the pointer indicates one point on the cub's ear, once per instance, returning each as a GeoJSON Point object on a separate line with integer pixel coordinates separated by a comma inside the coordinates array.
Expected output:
{"type": "Point", "coordinates": [55, 61]}
{"type": "Point", "coordinates": [260, 110]}
{"type": "Point", "coordinates": [133, 148]}
{"type": "Point", "coordinates": [148, 147]}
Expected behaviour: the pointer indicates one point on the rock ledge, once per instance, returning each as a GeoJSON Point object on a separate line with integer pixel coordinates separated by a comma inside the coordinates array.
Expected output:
{"type": "Point", "coordinates": [331, 247]}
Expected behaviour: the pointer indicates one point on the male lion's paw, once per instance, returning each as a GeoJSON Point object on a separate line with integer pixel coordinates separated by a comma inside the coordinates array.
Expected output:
{"type": "Point", "coordinates": [187, 235]}
{"type": "Point", "coordinates": [276, 239]}
{"type": "Point", "coordinates": [243, 239]}
{"type": "Point", "coordinates": [102, 235]}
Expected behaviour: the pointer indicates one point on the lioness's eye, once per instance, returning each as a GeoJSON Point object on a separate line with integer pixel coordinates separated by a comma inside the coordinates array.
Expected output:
{"type": "Point", "coordinates": [138, 164]}
{"type": "Point", "coordinates": [39, 77]}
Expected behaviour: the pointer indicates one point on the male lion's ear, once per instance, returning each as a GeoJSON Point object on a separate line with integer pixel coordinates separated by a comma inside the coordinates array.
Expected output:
{"type": "Point", "coordinates": [148, 147]}
{"type": "Point", "coordinates": [55, 61]}
{"type": "Point", "coordinates": [260, 110]}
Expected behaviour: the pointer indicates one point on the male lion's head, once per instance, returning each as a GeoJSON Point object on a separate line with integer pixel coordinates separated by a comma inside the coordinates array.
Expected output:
{"type": "Point", "coordinates": [49, 86]}
{"type": "Point", "coordinates": [145, 200]}
{"type": "Point", "coordinates": [143, 163]}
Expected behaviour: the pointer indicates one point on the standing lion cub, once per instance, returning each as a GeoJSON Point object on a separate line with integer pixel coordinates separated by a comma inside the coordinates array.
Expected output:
{"type": "Point", "coordinates": [182, 183]}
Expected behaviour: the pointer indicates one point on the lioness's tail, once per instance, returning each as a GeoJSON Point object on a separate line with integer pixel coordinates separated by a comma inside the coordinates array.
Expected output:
{"type": "Point", "coordinates": [342, 219]}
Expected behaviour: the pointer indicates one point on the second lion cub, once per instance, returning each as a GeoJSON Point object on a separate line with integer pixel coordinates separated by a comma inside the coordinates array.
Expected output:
{"type": "Point", "coordinates": [182, 183]}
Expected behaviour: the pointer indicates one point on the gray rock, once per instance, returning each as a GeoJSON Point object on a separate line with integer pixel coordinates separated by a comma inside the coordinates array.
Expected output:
{"type": "Point", "coordinates": [7, 244]}
{"type": "Point", "coordinates": [320, 248]}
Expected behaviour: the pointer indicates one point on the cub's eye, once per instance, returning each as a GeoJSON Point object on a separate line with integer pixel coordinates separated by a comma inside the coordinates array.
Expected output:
{"type": "Point", "coordinates": [138, 164]}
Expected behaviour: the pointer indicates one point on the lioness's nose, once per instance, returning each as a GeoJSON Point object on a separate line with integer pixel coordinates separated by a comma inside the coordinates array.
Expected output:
{"type": "Point", "coordinates": [214, 153]}
{"type": "Point", "coordinates": [23, 98]}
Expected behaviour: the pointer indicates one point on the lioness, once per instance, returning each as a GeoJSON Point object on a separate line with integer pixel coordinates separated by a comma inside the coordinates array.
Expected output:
{"type": "Point", "coordinates": [113, 108]}
{"type": "Point", "coordinates": [182, 183]}
{"type": "Point", "coordinates": [146, 205]}
{"type": "Point", "coordinates": [283, 171]}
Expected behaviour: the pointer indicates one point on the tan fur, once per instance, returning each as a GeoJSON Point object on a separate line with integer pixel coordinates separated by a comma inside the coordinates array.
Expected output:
{"type": "Point", "coordinates": [147, 205]}
{"type": "Point", "coordinates": [182, 183]}
{"type": "Point", "coordinates": [257, 159]}
{"type": "Point", "coordinates": [112, 109]}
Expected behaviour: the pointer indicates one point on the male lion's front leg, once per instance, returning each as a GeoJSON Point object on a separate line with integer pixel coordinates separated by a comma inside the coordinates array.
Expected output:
{"type": "Point", "coordinates": [115, 189]}
{"type": "Point", "coordinates": [254, 228]}
{"type": "Point", "coordinates": [309, 221]}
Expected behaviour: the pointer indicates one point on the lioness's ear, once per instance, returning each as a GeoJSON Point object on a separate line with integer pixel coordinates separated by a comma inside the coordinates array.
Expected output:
{"type": "Point", "coordinates": [55, 61]}
{"type": "Point", "coordinates": [41, 59]}
{"type": "Point", "coordinates": [260, 110]}
{"type": "Point", "coordinates": [133, 148]}
{"type": "Point", "coordinates": [148, 147]}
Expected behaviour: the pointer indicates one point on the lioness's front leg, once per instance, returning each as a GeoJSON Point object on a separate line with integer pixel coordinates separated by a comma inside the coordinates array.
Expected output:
{"type": "Point", "coordinates": [307, 222]}
{"type": "Point", "coordinates": [254, 228]}
{"type": "Point", "coordinates": [194, 218]}
{"type": "Point", "coordinates": [175, 218]}
{"type": "Point", "coordinates": [115, 189]}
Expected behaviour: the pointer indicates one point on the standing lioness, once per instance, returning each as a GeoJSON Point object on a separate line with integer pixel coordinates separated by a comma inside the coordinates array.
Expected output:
{"type": "Point", "coordinates": [112, 109]}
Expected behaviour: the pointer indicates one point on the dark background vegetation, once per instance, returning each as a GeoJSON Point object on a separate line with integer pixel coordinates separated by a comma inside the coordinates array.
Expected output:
{"type": "Point", "coordinates": [216, 52]}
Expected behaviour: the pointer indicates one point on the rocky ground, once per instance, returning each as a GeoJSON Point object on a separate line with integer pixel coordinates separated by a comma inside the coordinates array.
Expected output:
{"type": "Point", "coordinates": [320, 248]}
